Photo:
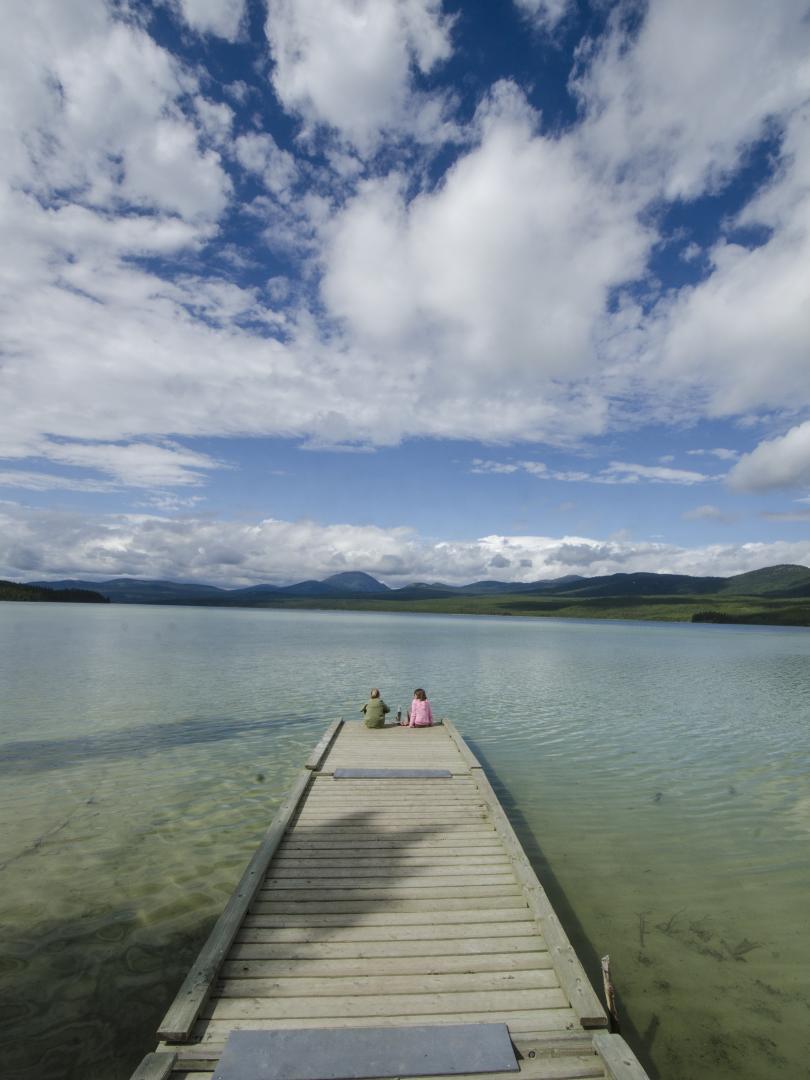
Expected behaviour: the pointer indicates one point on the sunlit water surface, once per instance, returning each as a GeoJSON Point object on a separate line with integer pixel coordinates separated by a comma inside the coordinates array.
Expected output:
{"type": "Point", "coordinates": [659, 776]}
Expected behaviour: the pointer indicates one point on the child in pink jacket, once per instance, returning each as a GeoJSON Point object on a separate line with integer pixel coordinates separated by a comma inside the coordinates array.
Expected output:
{"type": "Point", "coordinates": [420, 713]}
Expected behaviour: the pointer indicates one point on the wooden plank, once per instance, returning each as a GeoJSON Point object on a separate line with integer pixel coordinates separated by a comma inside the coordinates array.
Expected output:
{"type": "Point", "coordinates": [519, 1020]}
{"type": "Point", "coordinates": [401, 808]}
{"type": "Point", "coordinates": [426, 932]}
{"type": "Point", "coordinates": [396, 878]}
{"type": "Point", "coordinates": [419, 759]}
{"type": "Point", "coordinates": [395, 892]}
{"type": "Point", "coordinates": [316, 814]}
{"type": "Point", "coordinates": [403, 829]}
{"type": "Point", "coordinates": [387, 984]}
{"type": "Point", "coordinates": [382, 916]}
{"type": "Point", "coordinates": [323, 745]}
{"type": "Point", "coordinates": [394, 849]}
{"type": "Point", "coordinates": [157, 1066]}
{"type": "Point", "coordinates": [361, 1005]}
{"type": "Point", "coordinates": [401, 771]}
{"type": "Point", "coordinates": [327, 906]}
{"type": "Point", "coordinates": [289, 865]}
{"type": "Point", "coordinates": [256, 968]}
{"type": "Point", "coordinates": [270, 921]}
{"type": "Point", "coordinates": [572, 975]}
{"type": "Point", "coordinates": [385, 917]}
{"type": "Point", "coordinates": [391, 870]}
{"type": "Point", "coordinates": [325, 804]}
{"type": "Point", "coordinates": [582, 1067]}
{"type": "Point", "coordinates": [453, 805]}
{"type": "Point", "coordinates": [458, 784]}
{"type": "Point", "coordinates": [439, 842]}
{"type": "Point", "coordinates": [252, 944]}
{"type": "Point", "coordinates": [373, 821]}
{"type": "Point", "coordinates": [404, 821]}
{"type": "Point", "coordinates": [177, 1023]}
{"type": "Point", "coordinates": [447, 793]}
{"type": "Point", "coordinates": [619, 1060]}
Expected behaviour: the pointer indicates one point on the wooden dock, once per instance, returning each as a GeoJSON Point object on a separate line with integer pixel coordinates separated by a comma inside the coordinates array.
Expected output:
{"type": "Point", "coordinates": [391, 900]}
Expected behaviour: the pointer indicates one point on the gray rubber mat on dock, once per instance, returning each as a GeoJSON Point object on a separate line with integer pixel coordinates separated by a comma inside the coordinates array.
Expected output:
{"type": "Point", "coordinates": [355, 1053]}
{"type": "Point", "coordinates": [392, 774]}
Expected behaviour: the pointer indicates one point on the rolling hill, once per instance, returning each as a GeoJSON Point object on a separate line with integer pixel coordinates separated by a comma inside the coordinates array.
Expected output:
{"type": "Point", "coordinates": [775, 582]}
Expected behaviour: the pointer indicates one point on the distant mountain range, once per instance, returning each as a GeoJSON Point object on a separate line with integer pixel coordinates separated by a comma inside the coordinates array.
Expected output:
{"type": "Point", "coordinates": [775, 582]}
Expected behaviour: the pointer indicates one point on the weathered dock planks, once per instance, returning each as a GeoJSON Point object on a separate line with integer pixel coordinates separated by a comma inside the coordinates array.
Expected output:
{"type": "Point", "coordinates": [391, 901]}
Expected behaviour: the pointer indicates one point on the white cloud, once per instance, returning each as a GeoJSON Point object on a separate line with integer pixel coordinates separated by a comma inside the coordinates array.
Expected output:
{"type": "Point", "coordinates": [786, 515]}
{"type": "Point", "coordinates": [720, 452]}
{"type": "Point", "coordinates": [131, 465]}
{"type": "Point", "coordinates": [222, 18]}
{"type": "Point", "coordinates": [496, 280]}
{"type": "Point", "coordinates": [622, 472]}
{"type": "Point", "coordinates": [535, 468]}
{"type": "Point", "coordinates": [673, 109]}
{"type": "Point", "coordinates": [743, 332]}
{"type": "Point", "coordinates": [707, 512]}
{"type": "Point", "coordinates": [672, 114]}
{"type": "Point", "coordinates": [347, 63]}
{"type": "Point", "coordinates": [783, 462]}
{"type": "Point", "coordinates": [35, 543]}
{"type": "Point", "coordinates": [492, 467]}
{"type": "Point", "coordinates": [134, 464]}
{"type": "Point", "coordinates": [617, 472]}
{"type": "Point", "coordinates": [545, 14]}
{"type": "Point", "coordinates": [39, 481]}
{"type": "Point", "coordinates": [93, 108]}
{"type": "Point", "coordinates": [260, 154]}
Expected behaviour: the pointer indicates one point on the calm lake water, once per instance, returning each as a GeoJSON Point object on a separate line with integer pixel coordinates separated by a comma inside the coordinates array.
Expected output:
{"type": "Point", "coordinates": [658, 774]}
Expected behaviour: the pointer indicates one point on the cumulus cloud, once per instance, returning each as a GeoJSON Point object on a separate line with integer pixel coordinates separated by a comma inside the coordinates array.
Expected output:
{"type": "Point", "coordinates": [222, 18]}
{"type": "Point", "coordinates": [783, 462]}
{"type": "Point", "coordinates": [496, 278]}
{"type": "Point", "coordinates": [545, 14]}
{"type": "Point", "coordinates": [260, 154]}
{"type": "Point", "coordinates": [671, 113]}
{"type": "Point", "coordinates": [348, 64]}
{"type": "Point", "coordinates": [229, 553]}
{"type": "Point", "coordinates": [707, 512]}
{"type": "Point", "coordinates": [670, 106]}
{"type": "Point", "coordinates": [93, 108]}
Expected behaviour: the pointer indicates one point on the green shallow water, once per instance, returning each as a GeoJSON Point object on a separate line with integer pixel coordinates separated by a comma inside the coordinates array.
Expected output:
{"type": "Point", "coordinates": [658, 775]}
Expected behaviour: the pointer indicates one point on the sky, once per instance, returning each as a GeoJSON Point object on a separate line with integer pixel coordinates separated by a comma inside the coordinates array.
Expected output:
{"type": "Point", "coordinates": [439, 290]}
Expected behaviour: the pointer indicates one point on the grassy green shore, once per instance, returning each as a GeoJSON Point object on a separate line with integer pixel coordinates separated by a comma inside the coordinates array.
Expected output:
{"type": "Point", "coordinates": [735, 609]}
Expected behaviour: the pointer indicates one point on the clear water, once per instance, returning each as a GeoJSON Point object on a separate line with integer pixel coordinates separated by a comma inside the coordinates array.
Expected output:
{"type": "Point", "coordinates": [659, 776]}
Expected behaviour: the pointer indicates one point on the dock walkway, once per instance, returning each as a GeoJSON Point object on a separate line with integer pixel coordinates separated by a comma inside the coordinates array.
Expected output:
{"type": "Point", "coordinates": [390, 890]}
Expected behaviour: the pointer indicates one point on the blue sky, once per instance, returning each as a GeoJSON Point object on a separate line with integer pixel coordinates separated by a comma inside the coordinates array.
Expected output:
{"type": "Point", "coordinates": [438, 291]}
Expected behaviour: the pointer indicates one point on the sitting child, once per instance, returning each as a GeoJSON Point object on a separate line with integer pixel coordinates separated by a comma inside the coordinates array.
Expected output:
{"type": "Point", "coordinates": [420, 714]}
{"type": "Point", "coordinates": [374, 710]}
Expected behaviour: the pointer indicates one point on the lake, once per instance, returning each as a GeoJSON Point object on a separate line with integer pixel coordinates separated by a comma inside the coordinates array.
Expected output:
{"type": "Point", "coordinates": [658, 775]}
